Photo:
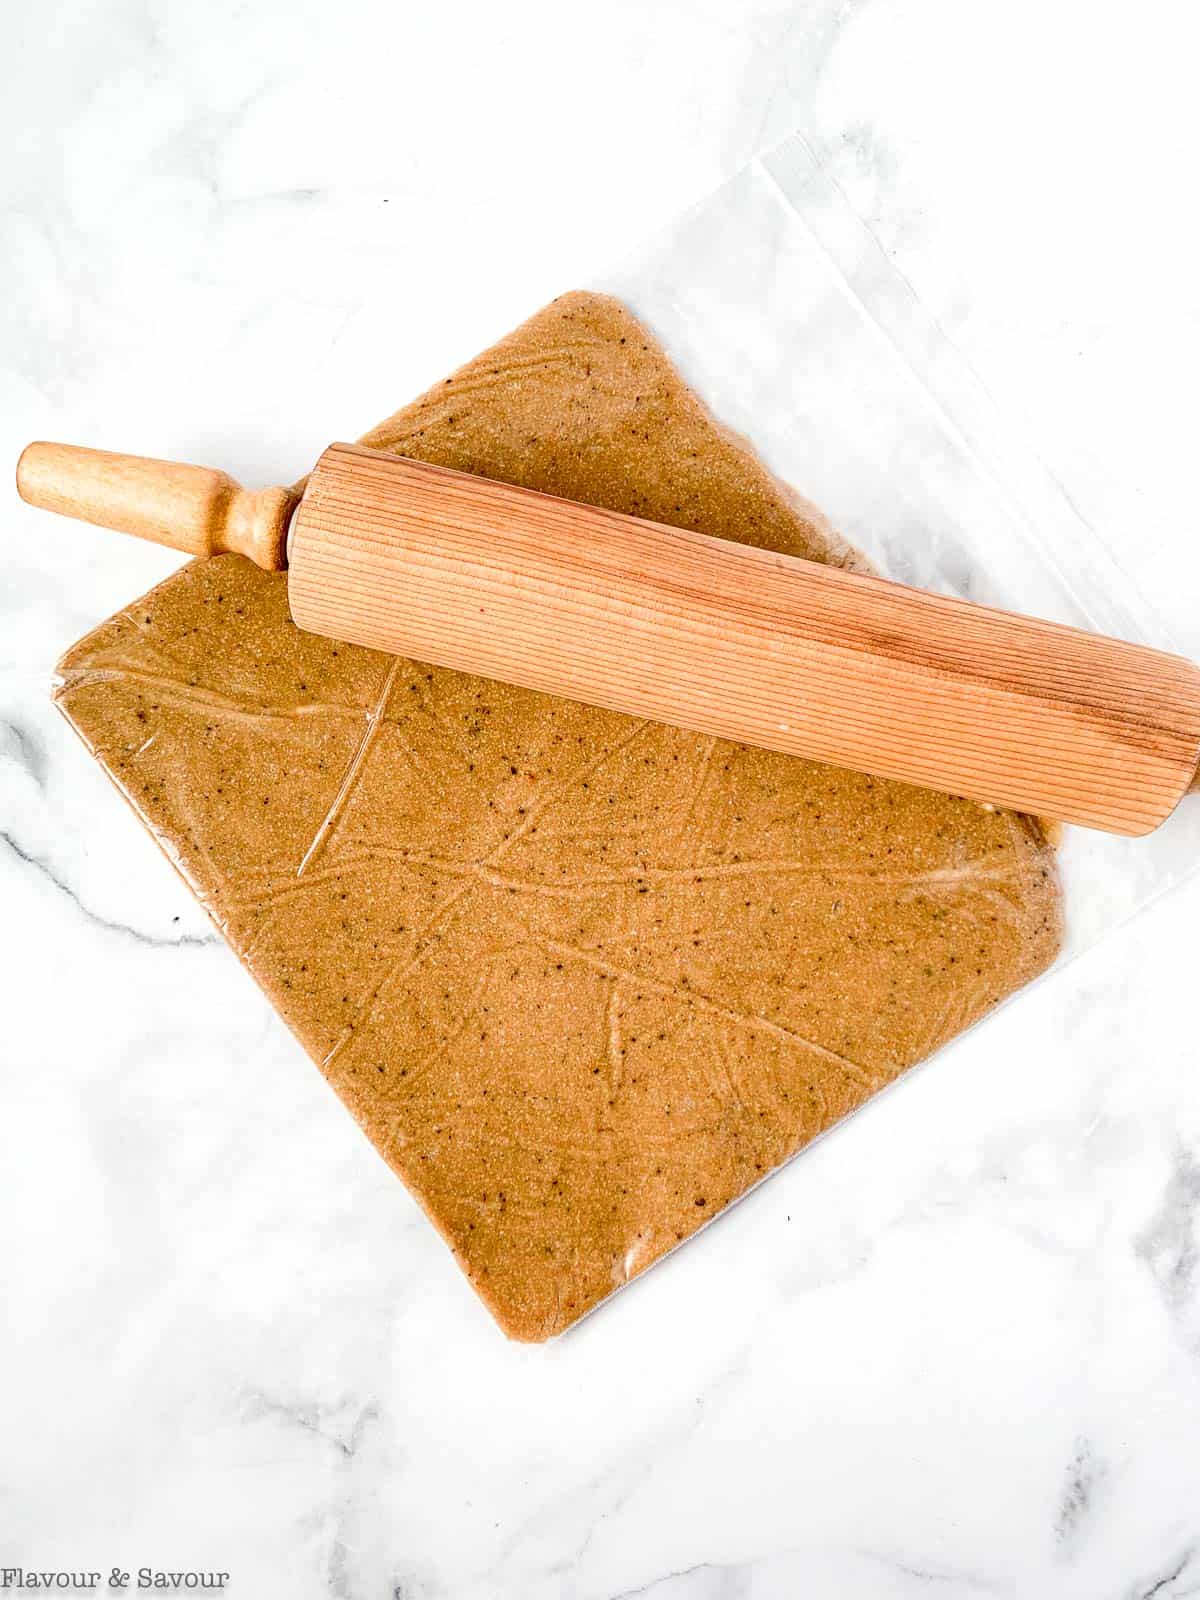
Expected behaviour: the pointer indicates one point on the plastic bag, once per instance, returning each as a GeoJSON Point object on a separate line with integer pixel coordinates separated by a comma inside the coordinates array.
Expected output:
{"type": "Point", "coordinates": [778, 309]}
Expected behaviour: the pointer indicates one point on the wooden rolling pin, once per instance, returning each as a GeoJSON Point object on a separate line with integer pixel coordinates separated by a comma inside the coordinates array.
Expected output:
{"type": "Point", "coordinates": [681, 628]}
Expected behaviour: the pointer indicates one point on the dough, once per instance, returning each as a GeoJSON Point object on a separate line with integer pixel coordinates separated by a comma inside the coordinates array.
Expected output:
{"type": "Point", "coordinates": [582, 980]}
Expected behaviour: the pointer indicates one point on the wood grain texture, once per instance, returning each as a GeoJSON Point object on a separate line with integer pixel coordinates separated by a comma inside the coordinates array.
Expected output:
{"type": "Point", "coordinates": [198, 510]}
{"type": "Point", "coordinates": [742, 643]}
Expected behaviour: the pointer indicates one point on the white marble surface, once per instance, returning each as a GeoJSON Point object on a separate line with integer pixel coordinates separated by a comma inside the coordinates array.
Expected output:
{"type": "Point", "coordinates": [956, 1348]}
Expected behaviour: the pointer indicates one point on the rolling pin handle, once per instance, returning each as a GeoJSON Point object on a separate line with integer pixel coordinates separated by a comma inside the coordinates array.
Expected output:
{"type": "Point", "coordinates": [198, 510]}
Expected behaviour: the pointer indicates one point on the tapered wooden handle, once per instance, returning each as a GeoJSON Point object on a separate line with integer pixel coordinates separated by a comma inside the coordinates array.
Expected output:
{"type": "Point", "coordinates": [194, 509]}
{"type": "Point", "coordinates": [743, 643]}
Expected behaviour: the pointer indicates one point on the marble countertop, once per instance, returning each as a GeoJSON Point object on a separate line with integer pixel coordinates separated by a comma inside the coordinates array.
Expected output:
{"type": "Point", "coordinates": [955, 1349]}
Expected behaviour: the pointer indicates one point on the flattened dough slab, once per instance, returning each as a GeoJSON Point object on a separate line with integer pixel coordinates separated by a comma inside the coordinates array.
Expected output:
{"type": "Point", "coordinates": [581, 980]}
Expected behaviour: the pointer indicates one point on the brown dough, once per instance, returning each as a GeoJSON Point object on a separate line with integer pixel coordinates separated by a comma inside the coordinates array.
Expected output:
{"type": "Point", "coordinates": [581, 980]}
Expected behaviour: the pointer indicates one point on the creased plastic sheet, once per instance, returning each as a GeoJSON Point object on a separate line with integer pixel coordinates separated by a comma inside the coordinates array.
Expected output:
{"type": "Point", "coordinates": [583, 981]}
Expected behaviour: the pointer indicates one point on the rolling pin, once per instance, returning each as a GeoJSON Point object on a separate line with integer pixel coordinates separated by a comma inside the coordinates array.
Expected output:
{"type": "Point", "coordinates": [678, 627]}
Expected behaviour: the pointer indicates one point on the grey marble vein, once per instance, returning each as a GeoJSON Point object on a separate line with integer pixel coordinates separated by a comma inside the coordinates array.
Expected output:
{"type": "Point", "coordinates": [1168, 1242]}
{"type": "Point", "coordinates": [26, 749]}
{"type": "Point", "coordinates": [126, 930]}
{"type": "Point", "coordinates": [1163, 1585]}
